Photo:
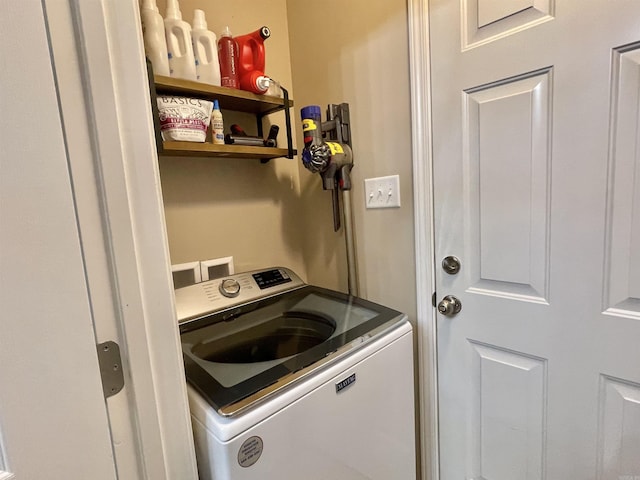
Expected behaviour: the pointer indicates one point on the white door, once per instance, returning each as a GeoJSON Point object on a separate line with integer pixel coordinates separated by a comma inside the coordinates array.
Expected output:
{"type": "Point", "coordinates": [53, 419]}
{"type": "Point", "coordinates": [537, 192]}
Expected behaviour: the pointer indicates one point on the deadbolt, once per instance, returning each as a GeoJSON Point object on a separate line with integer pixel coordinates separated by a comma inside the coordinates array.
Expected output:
{"type": "Point", "coordinates": [449, 306]}
{"type": "Point", "coordinates": [451, 265]}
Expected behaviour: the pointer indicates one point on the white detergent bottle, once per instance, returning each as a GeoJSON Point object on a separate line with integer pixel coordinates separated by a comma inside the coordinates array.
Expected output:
{"type": "Point", "coordinates": [155, 44]}
{"type": "Point", "coordinates": [182, 63]}
{"type": "Point", "coordinates": [205, 49]}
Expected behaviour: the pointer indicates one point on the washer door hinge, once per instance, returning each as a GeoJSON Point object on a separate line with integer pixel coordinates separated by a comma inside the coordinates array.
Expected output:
{"type": "Point", "coordinates": [110, 368]}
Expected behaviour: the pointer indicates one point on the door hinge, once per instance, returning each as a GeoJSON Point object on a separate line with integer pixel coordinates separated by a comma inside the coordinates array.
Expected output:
{"type": "Point", "coordinates": [110, 368]}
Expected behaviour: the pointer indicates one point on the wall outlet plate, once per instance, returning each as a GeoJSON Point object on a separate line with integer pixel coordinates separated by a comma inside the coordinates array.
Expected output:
{"type": "Point", "coordinates": [216, 268]}
{"type": "Point", "coordinates": [185, 274]}
{"type": "Point", "coordinates": [382, 192]}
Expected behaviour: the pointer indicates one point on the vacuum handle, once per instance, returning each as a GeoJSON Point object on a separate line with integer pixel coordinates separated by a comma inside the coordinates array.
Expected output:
{"type": "Point", "coordinates": [335, 200]}
{"type": "Point", "coordinates": [344, 177]}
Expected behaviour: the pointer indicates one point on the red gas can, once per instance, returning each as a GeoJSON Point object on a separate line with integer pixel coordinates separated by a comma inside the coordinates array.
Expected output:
{"type": "Point", "coordinates": [251, 60]}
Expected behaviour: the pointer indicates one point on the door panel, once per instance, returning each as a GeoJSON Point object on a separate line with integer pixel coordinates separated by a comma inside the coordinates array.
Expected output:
{"type": "Point", "coordinates": [507, 133]}
{"type": "Point", "coordinates": [619, 440]}
{"type": "Point", "coordinates": [623, 251]}
{"type": "Point", "coordinates": [507, 414]}
{"type": "Point", "coordinates": [492, 11]}
{"type": "Point", "coordinates": [488, 20]}
{"type": "Point", "coordinates": [536, 190]}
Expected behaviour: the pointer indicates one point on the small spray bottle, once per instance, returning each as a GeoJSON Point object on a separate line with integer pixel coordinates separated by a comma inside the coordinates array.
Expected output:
{"type": "Point", "coordinates": [217, 125]}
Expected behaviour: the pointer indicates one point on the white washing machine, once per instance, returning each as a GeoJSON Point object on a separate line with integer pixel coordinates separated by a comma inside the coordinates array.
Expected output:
{"type": "Point", "coordinates": [289, 381]}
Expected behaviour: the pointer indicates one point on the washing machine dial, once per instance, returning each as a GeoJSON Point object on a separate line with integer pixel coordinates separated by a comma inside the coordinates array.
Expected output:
{"type": "Point", "coordinates": [230, 288]}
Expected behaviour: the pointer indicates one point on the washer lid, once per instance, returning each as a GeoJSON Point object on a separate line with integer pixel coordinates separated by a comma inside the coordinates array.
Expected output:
{"type": "Point", "coordinates": [242, 352]}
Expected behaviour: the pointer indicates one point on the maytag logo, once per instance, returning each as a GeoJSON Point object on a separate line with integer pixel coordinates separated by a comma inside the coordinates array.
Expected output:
{"type": "Point", "coordinates": [345, 383]}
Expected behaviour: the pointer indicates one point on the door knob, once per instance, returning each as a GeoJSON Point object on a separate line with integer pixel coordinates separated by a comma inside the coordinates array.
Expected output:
{"type": "Point", "coordinates": [451, 265]}
{"type": "Point", "coordinates": [449, 306]}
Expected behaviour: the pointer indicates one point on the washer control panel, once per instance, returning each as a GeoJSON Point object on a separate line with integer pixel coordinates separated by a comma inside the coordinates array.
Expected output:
{"type": "Point", "coordinates": [229, 287]}
{"type": "Point", "coordinates": [208, 297]}
{"type": "Point", "coordinates": [271, 278]}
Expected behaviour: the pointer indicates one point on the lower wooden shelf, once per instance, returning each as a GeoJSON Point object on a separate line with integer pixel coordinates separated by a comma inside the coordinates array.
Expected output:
{"type": "Point", "coordinates": [224, 151]}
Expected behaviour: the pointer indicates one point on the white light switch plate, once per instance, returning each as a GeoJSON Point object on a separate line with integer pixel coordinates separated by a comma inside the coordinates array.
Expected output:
{"type": "Point", "coordinates": [382, 192]}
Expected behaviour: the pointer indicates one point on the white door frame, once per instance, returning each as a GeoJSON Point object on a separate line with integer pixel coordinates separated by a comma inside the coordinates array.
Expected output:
{"type": "Point", "coordinates": [106, 111]}
{"type": "Point", "coordinates": [419, 62]}
{"type": "Point", "coordinates": [4, 475]}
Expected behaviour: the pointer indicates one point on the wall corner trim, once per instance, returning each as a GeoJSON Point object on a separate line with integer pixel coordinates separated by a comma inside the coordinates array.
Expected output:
{"type": "Point", "coordinates": [418, 19]}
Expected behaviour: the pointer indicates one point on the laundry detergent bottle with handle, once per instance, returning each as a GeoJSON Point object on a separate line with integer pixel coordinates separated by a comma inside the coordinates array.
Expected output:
{"type": "Point", "coordinates": [155, 44]}
{"type": "Point", "coordinates": [251, 61]}
{"type": "Point", "coordinates": [182, 63]}
{"type": "Point", "coordinates": [228, 55]}
{"type": "Point", "coordinates": [205, 50]}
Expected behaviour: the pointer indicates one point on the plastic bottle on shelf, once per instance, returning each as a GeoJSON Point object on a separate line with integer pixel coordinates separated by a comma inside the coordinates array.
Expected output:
{"type": "Point", "coordinates": [217, 125]}
{"type": "Point", "coordinates": [155, 44]}
{"type": "Point", "coordinates": [251, 61]}
{"type": "Point", "coordinates": [182, 63]}
{"type": "Point", "coordinates": [205, 50]}
{"type": "Point", "coordinates": [228, 55]}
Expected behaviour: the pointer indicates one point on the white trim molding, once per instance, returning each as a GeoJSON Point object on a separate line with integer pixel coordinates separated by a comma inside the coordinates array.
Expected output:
{"type": "Point", "coordinates": [116, 184]}
{"type": "Point", "coordinates": [117, 89]}
{"type": "Point", "coordinates": [423, 211]}
{"type": "Point", "coordinates": [4, 475]}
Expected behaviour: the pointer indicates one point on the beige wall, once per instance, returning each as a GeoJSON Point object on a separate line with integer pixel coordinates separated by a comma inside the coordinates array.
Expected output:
{"type": "Point", "coordinates": [357, 52]}
{"type": "Point", "coordinates": [327, 51]}
{"type": "Point", "coordinates": [219, 207]}
{"type": "Point", "coordinates": [352, 51]}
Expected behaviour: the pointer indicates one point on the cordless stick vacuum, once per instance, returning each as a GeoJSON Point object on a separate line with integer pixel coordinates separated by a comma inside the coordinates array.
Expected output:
{"type": "Point", "coordinates": [327, 151]}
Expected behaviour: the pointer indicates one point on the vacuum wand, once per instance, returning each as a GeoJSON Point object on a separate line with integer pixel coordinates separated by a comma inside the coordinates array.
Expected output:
{"type": "Point", "coordinates": [332, 158]}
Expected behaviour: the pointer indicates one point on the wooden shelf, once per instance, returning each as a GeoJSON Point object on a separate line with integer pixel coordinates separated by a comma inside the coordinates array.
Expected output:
{"type": "Point", "coordinates": [190, 149]}
{"type": "Point", "coordinates": [229, 98]}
